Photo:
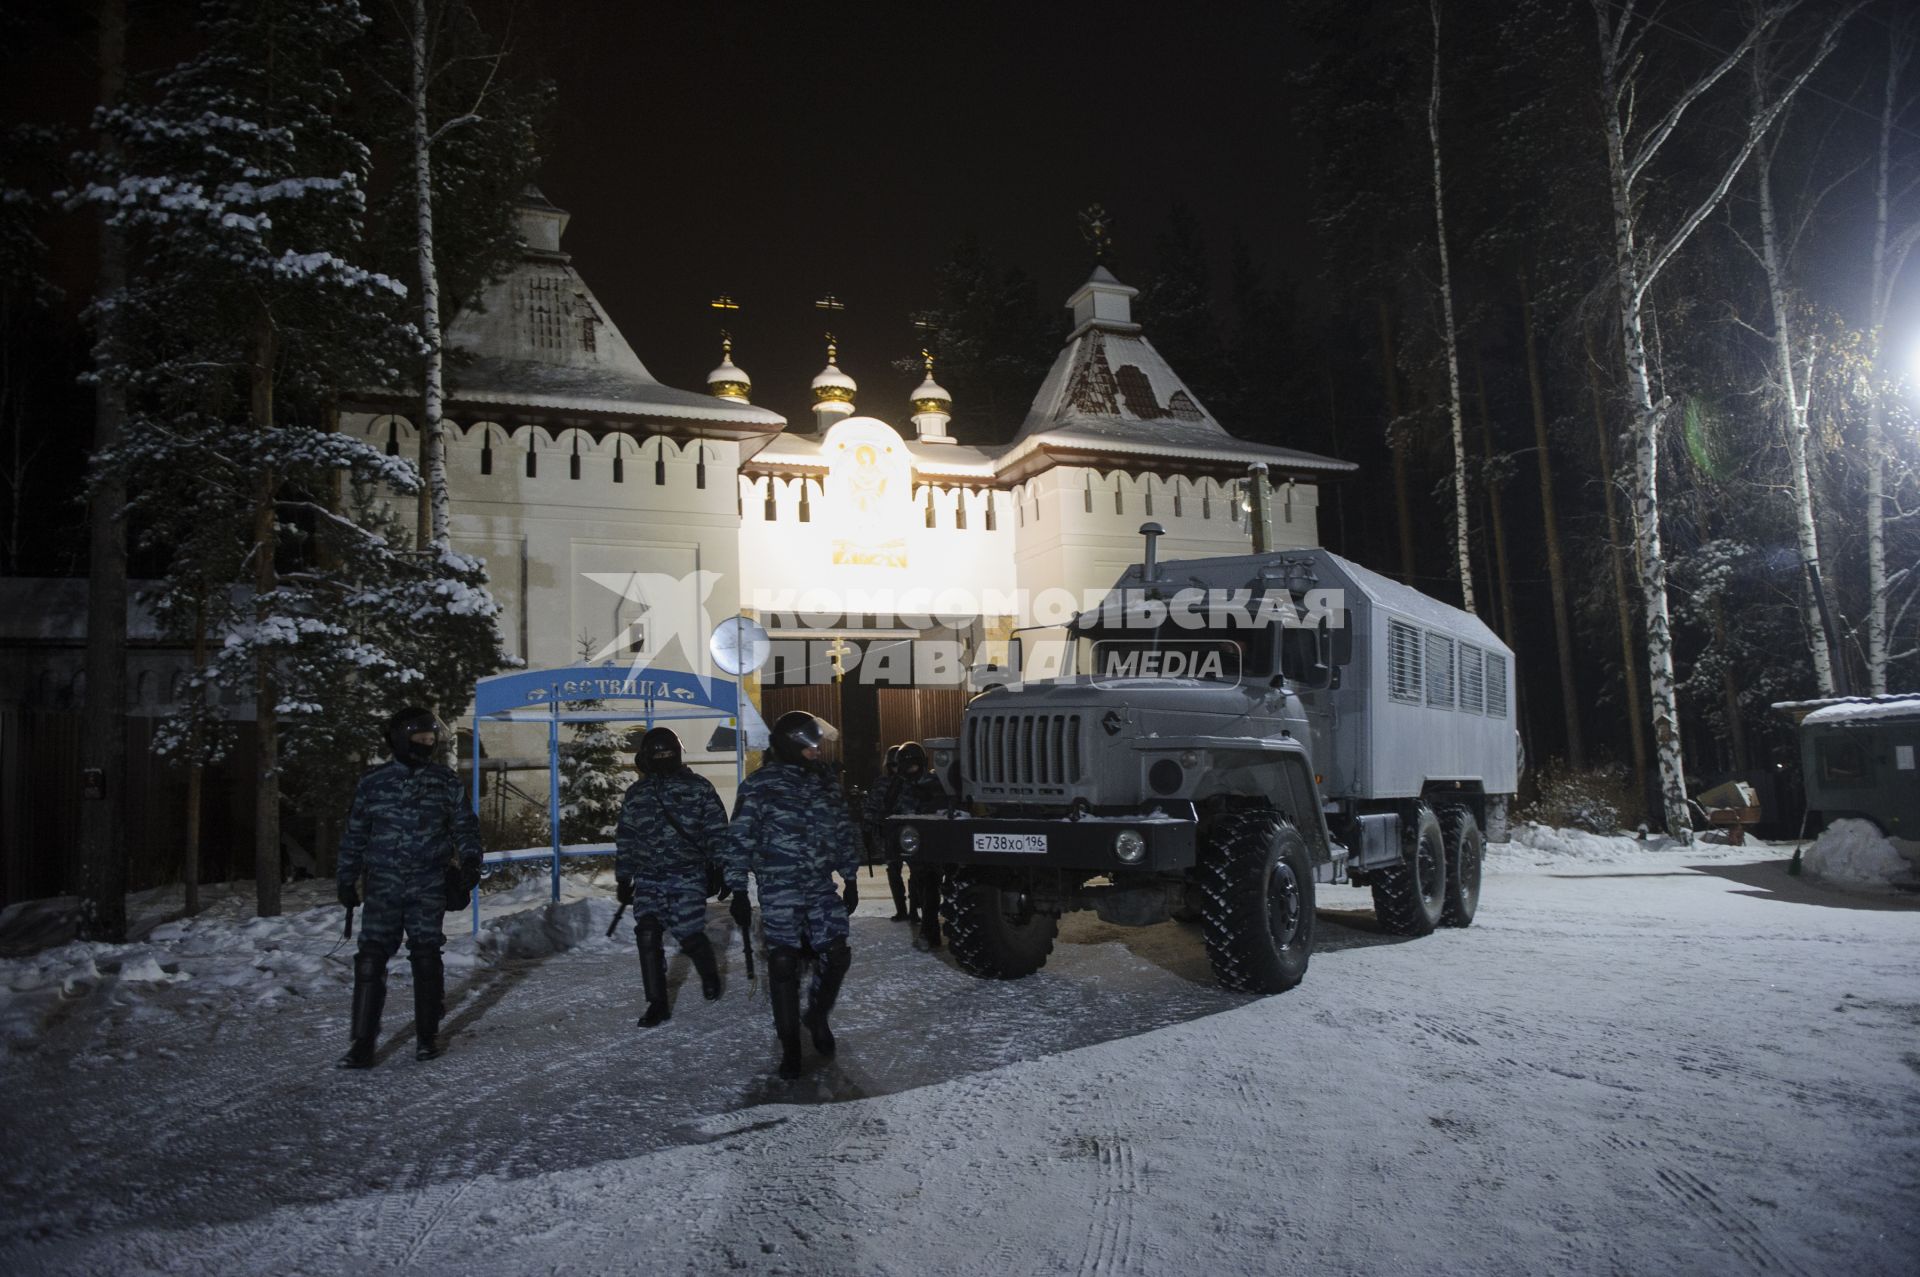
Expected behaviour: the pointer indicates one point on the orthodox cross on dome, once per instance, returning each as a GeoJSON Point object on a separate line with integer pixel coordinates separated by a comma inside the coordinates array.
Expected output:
{"type": "Point", "coordinates": [829, 302]}
{"type": "Point", "coordinates": [1096, 227]}
{"type": "Point", "coordinates": [927, 356]}
{"type": "Point", "coordinates": [724, 303]}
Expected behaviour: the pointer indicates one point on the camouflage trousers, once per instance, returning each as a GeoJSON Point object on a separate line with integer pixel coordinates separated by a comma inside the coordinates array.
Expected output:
{"type": "Point", "coordinates": [417, 911]}
{"type": "Point", "coordinates": [797, 919]}
{"type": "Point", "coordinates": [679, 903]}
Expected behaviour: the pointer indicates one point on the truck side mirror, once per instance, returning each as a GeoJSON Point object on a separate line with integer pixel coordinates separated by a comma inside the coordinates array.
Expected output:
{"type": "Point", "coordinates": [1325, 673]}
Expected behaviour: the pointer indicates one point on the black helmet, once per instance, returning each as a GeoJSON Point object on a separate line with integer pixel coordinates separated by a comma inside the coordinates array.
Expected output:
{"type": "Point", "coordinates": [893, 760]}
{"type": "Point", "coordinates": [400, 730]}
{"type": "Point", "coordinates": [659, 752]}
{"type": "Point", "coordinates": [913, 762]}
{"type": "Point", "coordinates": [795, 733]}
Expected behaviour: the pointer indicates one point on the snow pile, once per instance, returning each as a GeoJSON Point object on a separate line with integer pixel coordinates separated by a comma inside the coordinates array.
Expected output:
{"type": "Point", "coordinates": [544, 931]}
{"type": "Point", "coordinates": [226, 962]}
{"type": "Point", "coordinates": [1545, 846]}
{"type": "Point", "coordinates": [1853, 853]}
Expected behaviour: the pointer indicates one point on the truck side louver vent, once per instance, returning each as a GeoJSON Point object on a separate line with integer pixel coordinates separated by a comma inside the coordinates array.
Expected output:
{"type": "Point", "coordinates": [1023, 755]}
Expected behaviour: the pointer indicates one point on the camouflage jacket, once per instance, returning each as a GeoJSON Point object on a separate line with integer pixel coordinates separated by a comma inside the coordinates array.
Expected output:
{"type": "Point", "coordinates": [790, 829]}
{"type": "Point", "coordinates": [647, 842]}
{"type": "Point", "coordinates": [897, 796]}
{"type": "Point", "coordinates": [407, 825]}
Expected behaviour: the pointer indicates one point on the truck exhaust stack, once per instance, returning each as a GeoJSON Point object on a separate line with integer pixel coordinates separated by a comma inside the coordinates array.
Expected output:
{"type": "Point", "coordinates": [1150, 570]}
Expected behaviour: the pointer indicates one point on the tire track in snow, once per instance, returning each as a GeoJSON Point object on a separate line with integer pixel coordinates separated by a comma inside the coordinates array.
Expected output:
{"type": "Point", "coordinates": [1110, 1245]}
{"type": "Point", "coordinates": [1697, 1198]}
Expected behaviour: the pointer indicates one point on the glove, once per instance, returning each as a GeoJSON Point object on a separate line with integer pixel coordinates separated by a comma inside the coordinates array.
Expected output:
{"type": "Point", "coordinates": [349, 895]}
{"type": "Point", "coordinates": [623, 890]}
{"type": "Point", "coordinates": [741, 909]}
{"type": "Point", "coordinates": [471, 877]}
{"type": "Point", "coordinates": [851, 896]}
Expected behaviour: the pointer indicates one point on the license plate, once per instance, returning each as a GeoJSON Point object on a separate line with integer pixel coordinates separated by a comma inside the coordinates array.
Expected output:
{"type": "Point", "coordinates": [1019, 844]}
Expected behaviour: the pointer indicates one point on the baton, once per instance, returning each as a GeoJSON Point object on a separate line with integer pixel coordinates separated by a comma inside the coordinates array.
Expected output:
{"type": "Point", "coordinates": [346, 932]}
{"type": "Point", "coordinates": [618, 914]}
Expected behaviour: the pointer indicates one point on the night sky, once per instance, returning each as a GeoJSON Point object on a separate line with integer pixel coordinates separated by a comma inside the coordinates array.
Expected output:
{"type": "Point", "coordinates": [781, 152]}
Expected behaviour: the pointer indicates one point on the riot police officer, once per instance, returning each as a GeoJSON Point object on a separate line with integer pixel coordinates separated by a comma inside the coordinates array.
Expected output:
{"type": "Point", "coordinates": [882, 801]}
{"type": "Point", "coordinates": [920, 793]}
{"type": "Point", "coordinates": [672, 824]}
{"type": "Point", "coordinates": [416, 841]}
{"type": "Point", "coordinates": [792, 831]}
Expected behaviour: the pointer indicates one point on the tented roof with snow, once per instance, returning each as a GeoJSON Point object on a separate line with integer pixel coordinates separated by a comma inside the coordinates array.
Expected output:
{"type": "Point", "coordinates": [539, 343]}
{"type": "Point", "coordinates": [1111, 393]}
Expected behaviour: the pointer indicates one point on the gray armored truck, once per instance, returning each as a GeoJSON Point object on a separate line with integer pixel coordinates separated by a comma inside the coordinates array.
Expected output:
{"type": "Point", "coordinates": [1229, 732]}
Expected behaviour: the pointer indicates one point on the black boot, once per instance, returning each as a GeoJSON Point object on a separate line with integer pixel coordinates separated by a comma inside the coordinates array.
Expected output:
{"type": "Point", "coordinates": [897, 884]}
{"type": "Point", "coordinates": [653, 973]}
{"type": "Point", "coordinates": [369, 998]}
{"type": "Point", "coordinates": [783, 984]}
{"type": "Point", "coordinates": [826, 988]}
{"type": "Point", "coordinates": [926, 908]}
{"type": "Point", "coordinates": [699, 951]}
{"type": "Point", "coordinates": [429, 1001]}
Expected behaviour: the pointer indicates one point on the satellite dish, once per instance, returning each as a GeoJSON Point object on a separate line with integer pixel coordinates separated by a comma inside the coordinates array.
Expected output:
{"type": "Point", "coordinates": [739, 645]}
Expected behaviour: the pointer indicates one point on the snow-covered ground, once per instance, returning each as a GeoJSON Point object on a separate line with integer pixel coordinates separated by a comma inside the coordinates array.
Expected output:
{"type": "Point", "coordinates": [1639, 1059]}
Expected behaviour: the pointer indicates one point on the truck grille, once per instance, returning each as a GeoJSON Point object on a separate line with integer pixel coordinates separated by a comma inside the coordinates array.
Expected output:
{"type": "Point", "coordinates": [1022, 755]}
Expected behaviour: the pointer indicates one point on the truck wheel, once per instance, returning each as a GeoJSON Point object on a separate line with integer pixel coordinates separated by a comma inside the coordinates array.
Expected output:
{"type": "Point", "coordinates": [1257, 902]}
{"type": "Point", "coordinates": [988, 941]}
{"type": "Point", "coordinates": [1465, 849]}
{"type": "Point", "coordinates": [1409, 897]}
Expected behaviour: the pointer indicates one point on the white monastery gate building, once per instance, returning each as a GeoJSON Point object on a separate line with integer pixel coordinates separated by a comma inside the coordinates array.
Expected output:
{"type": "Point", "coordinates": [614, 509]}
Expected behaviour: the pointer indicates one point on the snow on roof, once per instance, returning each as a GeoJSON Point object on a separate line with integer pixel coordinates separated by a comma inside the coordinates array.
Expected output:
{"type": "Point", "coordinates": [1856, 709]}
{"type": "Point", "coordinates": [1394, 595]}
{"type": "Point", "coordinates": [539, 339]}
{"type": "Point", "coordinates": [1237, 571]}
{"type": "Point", "coordinates": [1111, 391]}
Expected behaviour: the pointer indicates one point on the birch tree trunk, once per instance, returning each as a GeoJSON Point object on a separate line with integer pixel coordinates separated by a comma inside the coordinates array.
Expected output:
{"type": "Point", "coordinates": [1795, 404]}
{"type": "Point", "coordinates": [1621, 60]}
{"type": "Point", "coordinates": [103, 736]}
{"type": "Point", "coordinates": [1462, 533]}
{"type": "Point", "coordinates": [266, 794]}
{"type": "Point", "coordinates": [435, 506]}
{"type": "Point", "coordinates": [1886, 270]}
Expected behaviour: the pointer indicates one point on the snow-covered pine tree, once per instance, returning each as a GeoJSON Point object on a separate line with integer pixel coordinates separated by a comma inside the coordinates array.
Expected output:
{"type": "Point", "coordinates": [246, 311]}
{"type": "Point", "coordinates": [594, 772]}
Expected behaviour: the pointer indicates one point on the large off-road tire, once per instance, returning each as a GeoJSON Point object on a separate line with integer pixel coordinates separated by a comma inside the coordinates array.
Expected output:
{"type": "Point", "coordinates": [1466, 847]}
{"type": "Point", "coordinates": [1409, 898]}
{"type": "Point", "coordinates": [1256, 906]}
{"type": "Point", "coordinates": [988, 941]}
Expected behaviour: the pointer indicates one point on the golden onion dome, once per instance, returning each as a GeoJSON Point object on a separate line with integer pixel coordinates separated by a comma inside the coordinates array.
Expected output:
{"type": "Point", "coordinates": [729, 380]}
{"type": "Point", "coordinates": [833, 385]}
{"type": "Point", "coordinates": [930, 395]}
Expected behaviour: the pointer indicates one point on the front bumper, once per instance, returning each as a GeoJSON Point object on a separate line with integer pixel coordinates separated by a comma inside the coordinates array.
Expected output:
{"type": "Point", "coordinates": [1085, 844]}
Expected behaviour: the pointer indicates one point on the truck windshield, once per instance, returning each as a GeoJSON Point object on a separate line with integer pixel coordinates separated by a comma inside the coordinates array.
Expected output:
{"type": "Point", "coordinates": [1174, 651]}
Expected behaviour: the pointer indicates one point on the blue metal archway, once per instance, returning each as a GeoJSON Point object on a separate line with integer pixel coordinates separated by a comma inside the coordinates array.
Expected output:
{"type": "Point", "coordinates": [650, 696]}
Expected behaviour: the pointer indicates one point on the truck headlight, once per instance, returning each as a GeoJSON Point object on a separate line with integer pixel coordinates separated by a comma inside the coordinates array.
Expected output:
{"type": "Point", "coordinates": [909, 839]}
{"type": "Point", "coordinates": [942, 759]}
{"type": "Point", "coordinates": [1130, 845]}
